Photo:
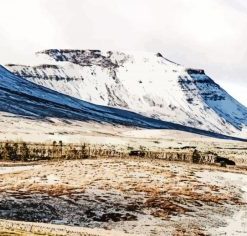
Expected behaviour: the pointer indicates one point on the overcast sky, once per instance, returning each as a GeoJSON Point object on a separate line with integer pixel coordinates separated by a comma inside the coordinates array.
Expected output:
{"type": "Point", "coordinates": [209, 34]}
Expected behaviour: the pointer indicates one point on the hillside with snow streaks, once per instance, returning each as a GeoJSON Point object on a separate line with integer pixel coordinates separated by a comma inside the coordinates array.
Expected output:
{"type": "Point", "coordinates": [145, 83]}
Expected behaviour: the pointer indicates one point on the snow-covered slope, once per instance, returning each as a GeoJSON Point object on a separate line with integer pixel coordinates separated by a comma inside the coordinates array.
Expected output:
{"type": "Point", "coordinates": [21, 99]}
{"type": "Point", "coordinates": [145, 83]}
{"type": "Point", "coordinates": [26, 99]}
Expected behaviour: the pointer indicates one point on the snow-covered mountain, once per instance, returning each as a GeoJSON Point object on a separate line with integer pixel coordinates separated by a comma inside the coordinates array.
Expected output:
{"type": "Point", "coordinates": [145, 83]}
{"type": "Point", "coordinates": [25, 100]}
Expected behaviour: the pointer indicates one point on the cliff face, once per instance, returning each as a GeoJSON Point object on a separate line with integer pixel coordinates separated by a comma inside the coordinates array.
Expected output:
{"type": "Point", "coordinates": [145, 83]}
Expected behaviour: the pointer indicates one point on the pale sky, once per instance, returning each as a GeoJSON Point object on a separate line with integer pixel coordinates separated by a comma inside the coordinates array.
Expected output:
{"type": "Point", "coordinates": [208, 34]}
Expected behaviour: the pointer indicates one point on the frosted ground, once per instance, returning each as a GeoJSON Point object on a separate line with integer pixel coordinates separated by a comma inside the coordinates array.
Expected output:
{"type": "Point", "coordinates": [47, 130]}
{"type": "Point", "coordinates": [133, 196]}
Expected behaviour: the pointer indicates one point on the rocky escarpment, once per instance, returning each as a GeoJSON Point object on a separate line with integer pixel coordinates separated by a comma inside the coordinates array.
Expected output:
{"type": "Point", "coordinates": [145, 83]}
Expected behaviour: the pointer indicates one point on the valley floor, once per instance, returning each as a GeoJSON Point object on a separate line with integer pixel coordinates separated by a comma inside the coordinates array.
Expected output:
{"type": "Point", "coordinates": [132, 196]}
{"type": "Point", "coordinates": [115, 137]}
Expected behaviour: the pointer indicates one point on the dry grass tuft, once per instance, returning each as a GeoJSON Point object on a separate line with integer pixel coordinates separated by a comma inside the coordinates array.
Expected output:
{"type": "Point", "coordinates": [164, 208]}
